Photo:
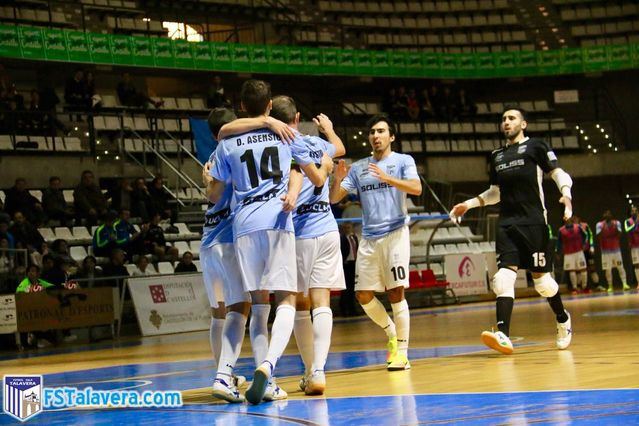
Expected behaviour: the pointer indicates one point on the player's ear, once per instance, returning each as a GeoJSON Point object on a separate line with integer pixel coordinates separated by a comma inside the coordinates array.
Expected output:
{"type": "Point", "coordinates": [297, 118]}
{"type": "Point", "coordinates": [242, 107]}
{"type": "Point", "coordinates": [269, 107]}
{"type": "Point", "coordinates": [524, 124]}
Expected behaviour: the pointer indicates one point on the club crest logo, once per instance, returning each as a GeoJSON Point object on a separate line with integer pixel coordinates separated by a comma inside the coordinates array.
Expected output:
{"type": "Point", "coordinates": [466, 267]}
{"type": "Point", "coordinates": [22, 396]}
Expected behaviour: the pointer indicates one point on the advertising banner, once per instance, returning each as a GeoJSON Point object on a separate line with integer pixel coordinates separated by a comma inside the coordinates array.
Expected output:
{"type": "Point", "coordinates": [466, 273]}
{"type": "Point", "coordinates": [170, 304]}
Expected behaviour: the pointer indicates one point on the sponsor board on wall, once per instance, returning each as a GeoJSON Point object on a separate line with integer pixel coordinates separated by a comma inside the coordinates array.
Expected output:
{"type": "Point", "coordinates": [466, 273]}
{"type": "Point", "coordinates": [170, 304]}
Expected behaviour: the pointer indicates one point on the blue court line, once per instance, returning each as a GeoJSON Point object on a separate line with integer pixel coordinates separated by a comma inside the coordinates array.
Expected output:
{"type": "Point", "coordinates": [185, 375]}
{"type": "Point", "coordinates": [589, 407]}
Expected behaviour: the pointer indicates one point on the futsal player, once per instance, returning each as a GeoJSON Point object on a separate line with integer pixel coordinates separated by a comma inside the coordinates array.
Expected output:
{"type": "Point", "coordinates": [608, 233]}
{"type": "Point", "coordinates": [571, 242]}
{"type": "Point", "coordinates": [589, 252]}
{"type": "Point", "coordinates": [633, 239]}
{"type": "Point", "coordinates": [516, 173]}
{"type": "Point", "coordinates": [257, 165]}
{"type": "Point", "coordinates": [382, 182]}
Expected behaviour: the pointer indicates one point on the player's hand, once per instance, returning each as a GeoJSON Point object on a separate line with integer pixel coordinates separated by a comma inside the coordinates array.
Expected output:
{"type": "Point", "coordinates": [377, 173]}
{"type": "Point", "coordinates": [281, 129]}
{"type": "Point", "coordinates": [341, 170]}
{"type": "Point", "coordinates": [458, 211]}
{"type": "Point", "coordinates": [288, 202]}
{"type": "Point", "coordinates": [323, 123]}
{"type": "Point", "coordinates": [592, 250]}
{"type": "Point", "coordinates": [567, 202]}
{"type": "Point", "coordinates": [206, 173]}
{"type": "Point", "coordinates": [327, 163]}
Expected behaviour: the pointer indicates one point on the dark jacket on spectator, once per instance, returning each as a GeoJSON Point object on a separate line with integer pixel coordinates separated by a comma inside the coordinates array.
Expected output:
{"type": "Point", "coordinates": [27, 234]}
{"type": "Point", "coordinates": [21, 201]}
{"type": "Point", "coordinates": [86, 198]}
{"type": "Point", "coordinates": [183, 267]}
{"type": "Point", "coordinates": [53, 202]}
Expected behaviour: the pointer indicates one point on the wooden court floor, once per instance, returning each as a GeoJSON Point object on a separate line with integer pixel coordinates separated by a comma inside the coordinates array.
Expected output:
{"type": "Point", "coordinates": [448, 361]}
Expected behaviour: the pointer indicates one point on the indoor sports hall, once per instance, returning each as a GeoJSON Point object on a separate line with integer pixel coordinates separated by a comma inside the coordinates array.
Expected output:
{"type": "Point", "coordinates": [319, 212]}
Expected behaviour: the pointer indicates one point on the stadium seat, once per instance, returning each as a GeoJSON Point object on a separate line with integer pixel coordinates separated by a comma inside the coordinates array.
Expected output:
{"type": "Point", "coordinates": [47, 234]}
{"type": "Point", "coordinates": [165, 268]}
{"type": "Point", "coordinates": [78, 253]}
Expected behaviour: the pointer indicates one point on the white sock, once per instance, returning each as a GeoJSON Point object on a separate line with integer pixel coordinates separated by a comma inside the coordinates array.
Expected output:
{"type": "Point", "coordinates": [401, 315]}
{"type": "Point", "coordinates": [322, 330]}
{"type": "Point", "coordinates": [609, 277]}
{"type": "Point", "coordinates": [573, 280]}
{"type": "Point", "coordinates": [594, 276]}
{"type": "Point", "coordinates": [215, 338]}
{"type": "Point", "coordinates": [584, 279]}
{"type": "Point", "coordinates": [303, 330]}
{"type": "Point", "coordinates": [637, 273]}
{"type": "Point", "coordinates": [232, 338]}
{"type": "Point", "coordinates": [622, 274]}
{"type": "Point", "coordinates": [280, 333]}
{"type": "Point", "coordinates": [258, 332]}
{"type": "Point", "coordinates": [375, 311]}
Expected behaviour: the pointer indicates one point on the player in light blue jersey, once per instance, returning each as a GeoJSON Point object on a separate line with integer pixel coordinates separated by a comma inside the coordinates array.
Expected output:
{"type": "Point", "coordinates": [382, 182]}
{"type": "Point", "coordinates": [222, 279]}
{"type": "Point", "coordinates": [257, 165]}
{"type": "Point", "coordinates": [317, 245]}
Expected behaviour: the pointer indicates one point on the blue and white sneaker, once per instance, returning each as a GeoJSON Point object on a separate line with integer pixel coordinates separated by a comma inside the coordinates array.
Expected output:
{"type": "Point", "coordinates": [274, 392]}
{"type": "Point", "coordinates": [261, 379]}
{"type": "Point", "coordinates": [564, 333]}
{"type": "Point", "coordinates": [226, 392]}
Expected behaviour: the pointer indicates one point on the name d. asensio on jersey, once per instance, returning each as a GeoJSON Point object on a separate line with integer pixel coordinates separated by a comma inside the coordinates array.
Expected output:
{"type": "Point", "coordinates": [261, 137]}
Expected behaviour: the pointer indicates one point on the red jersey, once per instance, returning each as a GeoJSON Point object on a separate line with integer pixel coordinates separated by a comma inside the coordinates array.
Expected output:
{"type": "Point", "coordinates": [632, 228]}
{"type": "Point", "coordinates": [609, 235]}
{"type": "Point", "coordinates": [572, 239]}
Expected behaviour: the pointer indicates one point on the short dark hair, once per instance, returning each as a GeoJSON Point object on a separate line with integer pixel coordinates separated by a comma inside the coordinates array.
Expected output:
{"type": "Point", "coordinates": [508, 107]}
{"type": "Point", "coordinates": [392, 129]}
{"type": "Point", "coordinates": [218, 118]}
{"type": "Point", "coordinates": [284, 109]}
{"type": "Point", "coordinates": [53, 178]}
{"type": "Point", "coordinates": [255, 96]}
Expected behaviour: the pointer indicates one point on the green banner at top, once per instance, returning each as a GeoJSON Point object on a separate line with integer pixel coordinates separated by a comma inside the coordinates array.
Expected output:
{"type": "Point", "coordinates": [46, 44]}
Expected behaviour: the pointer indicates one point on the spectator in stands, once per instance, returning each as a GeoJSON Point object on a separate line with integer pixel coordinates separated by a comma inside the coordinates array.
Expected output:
{"type": "Point", "coordinates": [75, 93]}
{"type": "Point", "coordinates": [127, 238]}
{"type": "Point", "coordinates": [14, 278]}
{"type": "Point", "coordinates": [53, 202]}
{"type": "Point", "coordinates": [412, 105]}
{"type": "Point", "coordinates": [154, 240]}
{"type": "Point", "coordinates": [32, 283]}
{"type": "Point", "coordinates": [89, 274]}
{"type": "Point", "coordinates": [141, 201]}
{"type": "Point", "coordinates": [130, 96]}
{"type": "Point", "coordinates": [464, 105]}
{"type": "Point", "coordinates": [49, 100]}
{"type": "Point", "coordinates": [19, 199]}
{"type": "Point", "coordinates": [105, 236]}
{"type": "Point", "coordinates": [26, 235]}
{"type": "Point", "coordinates": [160, 198]}
{"type": "Point", "coordinates": [36, 256]}
{"type": "Point", "coordinates": [436, 101]}
{"type": "Point", "coordinates": [93, 98]}
{"type": "Point", "coordinates": [400, 104]}
{"type": "Point", "coordinates": [388, 101]}
{"type": "Point", "coordinates": [36, 123]}
{"type": "Point", "coordinates": [142, 267]}
{"type": "Point", "coordinates": [4, 216]}
{"type": "Point", "coordinates": [447, 104]}
{"type": "Point", "coordinates": [89, 202]}
{"type": "Point", "coordinates": [6, 234]}
{"type": "Point", "coordinates": [60, 248]}
{"type": "Point", "coordinates": [215, 97]}
{"type": "Point", "coordinates": [56, 274]}
{"type": "Point", "coordinates": [6, 259]}
{"type": "Point", "coordinates": [426, 107]}
{"type": "Point", "coordinates": [186, 264]}
{"type": "Point", "coordinates": [121, 195]}
{"type": "Point", "coordinates": [115, 268]}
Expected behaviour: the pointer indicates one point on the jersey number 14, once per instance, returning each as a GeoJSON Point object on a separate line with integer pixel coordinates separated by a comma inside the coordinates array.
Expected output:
{"type": "Point", "coordinates": [270, 157]}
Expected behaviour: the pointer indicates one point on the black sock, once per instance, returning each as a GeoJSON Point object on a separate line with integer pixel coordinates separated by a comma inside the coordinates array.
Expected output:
{"type": "Point", "coordinates": [558, 308]}
{"type": "Point", "coordinates": [504, 311]}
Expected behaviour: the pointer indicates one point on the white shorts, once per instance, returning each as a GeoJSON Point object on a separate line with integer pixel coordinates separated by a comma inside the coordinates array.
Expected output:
{"type": "Point", "coordinates": [611, 260]}
{"type": "Point", "coordinates": [634, 252]}
{"type": "Point", "coordinates": [267, 260]}
{"type": "Point", "coordinates": [319, 263]}
{"type": "Point", "coordinates": [382, 264]}
{"type": "Point", "coordinates": [574, 261]}
{"type": "Point", "coordinates": [221, 274]}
